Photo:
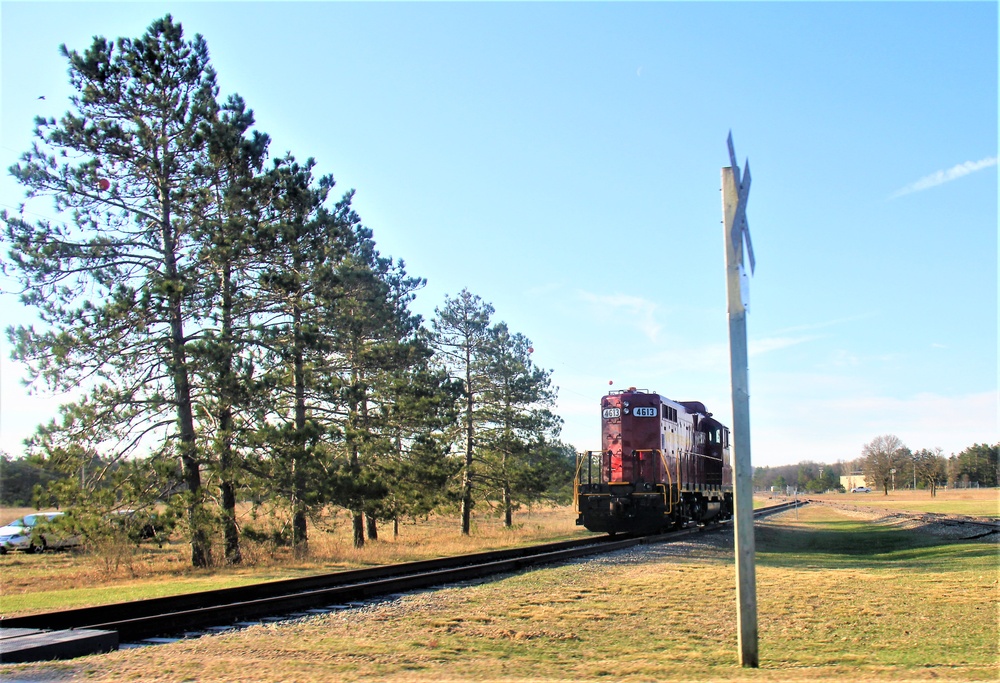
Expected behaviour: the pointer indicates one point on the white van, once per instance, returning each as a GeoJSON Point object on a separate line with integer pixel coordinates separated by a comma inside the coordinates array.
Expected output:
{"type": "Point", "coordinates": [32, 533]}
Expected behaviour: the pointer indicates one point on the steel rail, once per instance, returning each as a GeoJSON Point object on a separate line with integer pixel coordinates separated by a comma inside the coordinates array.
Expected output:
{"type": "Point", "coordinates": [87, 616]}
{"type": "Point", "coordinates": [142, 619]}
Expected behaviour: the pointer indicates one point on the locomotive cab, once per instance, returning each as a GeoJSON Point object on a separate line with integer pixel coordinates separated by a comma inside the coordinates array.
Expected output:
{"type": "Point", "coordinates": [716, 444]}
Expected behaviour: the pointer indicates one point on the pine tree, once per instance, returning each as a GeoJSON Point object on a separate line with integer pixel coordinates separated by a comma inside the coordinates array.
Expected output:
{"type": "Point", "coordinates": [978, 463]}
{"type": "Point", "coordinates": [417, 410]}
{"type": "Point", "coordinates": [376, 355]}
{"type": "Point", "coordinates": [114, 287]}
{"type": "Point", "coordinates": [461, 331]}
{"type": "Point", "coordinates": [225, 354]}
{"type": "Point", "coordinates": [301, 243]}
{"type": "Point", "coordinates": [516, 399]}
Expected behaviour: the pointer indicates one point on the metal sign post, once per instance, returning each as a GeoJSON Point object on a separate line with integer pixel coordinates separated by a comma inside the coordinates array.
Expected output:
{"type": "Point", "coordinates": [735, 191]}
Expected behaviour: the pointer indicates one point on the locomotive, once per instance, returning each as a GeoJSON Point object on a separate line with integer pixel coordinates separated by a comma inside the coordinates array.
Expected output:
{"type": "Point", "coordinates": [662, 465]}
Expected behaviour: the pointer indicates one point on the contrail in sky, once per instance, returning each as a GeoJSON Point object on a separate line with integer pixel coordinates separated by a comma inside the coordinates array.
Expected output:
{"type": "Point", "coordinates": [942, 177]}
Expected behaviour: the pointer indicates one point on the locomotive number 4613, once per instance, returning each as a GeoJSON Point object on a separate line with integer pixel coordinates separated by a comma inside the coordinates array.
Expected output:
{"type": "Point", "coordinates": [612, 413]}
{"type": "Point", "coordinates": [644, 412]}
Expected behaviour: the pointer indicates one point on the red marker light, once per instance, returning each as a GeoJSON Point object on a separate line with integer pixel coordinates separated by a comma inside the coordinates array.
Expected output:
{"type": "Point", "coordinates": [104, 184]}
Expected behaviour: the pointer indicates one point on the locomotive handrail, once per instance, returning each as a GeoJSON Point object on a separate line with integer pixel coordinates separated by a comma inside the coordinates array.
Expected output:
{"type": "Point", "coordinates": [677, 465]}
{"type": "Point", "coordinates": [589, 455]}
{"type": "Point", "coordinates": [669, 501]}
{"type": "Point", "coordinates": [670, 483]}
{"type": "Point", "coordinates": [636, 458]}
{"type": "Point", "coordinates": [576, 480]}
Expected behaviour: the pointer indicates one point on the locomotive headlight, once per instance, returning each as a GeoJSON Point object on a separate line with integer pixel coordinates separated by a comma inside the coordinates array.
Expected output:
{"type": "Point", "coordinates": [626, 411]}
{"type": "Point", "coordinates": [625, 403]}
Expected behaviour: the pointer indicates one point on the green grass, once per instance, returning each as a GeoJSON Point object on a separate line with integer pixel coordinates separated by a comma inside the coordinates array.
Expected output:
{"type": "Point", "coordinates": [969, 508]}
{"type": "Point", "coordinates": [66, 580]}
{"type": "Point", "coordinates": [968, 502]}
{"type": "Point", "coordinates": [125, 592]}
{"type": "Point", "coordinates": [834, 541]}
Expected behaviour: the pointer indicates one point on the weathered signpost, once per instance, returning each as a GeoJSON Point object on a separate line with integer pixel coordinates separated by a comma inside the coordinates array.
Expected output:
{"type": "Point", "coordinates": [735, 190]}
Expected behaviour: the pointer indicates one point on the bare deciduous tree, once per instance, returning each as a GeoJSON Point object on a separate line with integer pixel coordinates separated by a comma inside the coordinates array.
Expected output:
{"type": "Point", "coordinates": [881, 455]}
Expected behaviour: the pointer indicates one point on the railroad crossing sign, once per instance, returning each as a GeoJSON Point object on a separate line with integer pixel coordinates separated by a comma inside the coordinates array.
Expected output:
{"type": "Point", "coordinates": [735, 191]}
{"type": "Point", "coordinates": [738, 228]}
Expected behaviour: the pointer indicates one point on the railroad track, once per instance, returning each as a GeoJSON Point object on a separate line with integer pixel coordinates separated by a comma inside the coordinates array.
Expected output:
{"type": "Point", "coordinates": [219, 609]}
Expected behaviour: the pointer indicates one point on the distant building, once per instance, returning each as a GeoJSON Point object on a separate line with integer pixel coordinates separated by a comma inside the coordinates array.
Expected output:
{"type": "Point", "coordinates": [853, 481]}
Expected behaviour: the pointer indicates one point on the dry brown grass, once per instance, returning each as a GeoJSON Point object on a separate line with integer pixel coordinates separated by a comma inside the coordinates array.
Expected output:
{"type": "Point", "coordinates": [32, 583]}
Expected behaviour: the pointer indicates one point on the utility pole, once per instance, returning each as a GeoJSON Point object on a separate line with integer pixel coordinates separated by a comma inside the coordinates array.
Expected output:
{"type": "Point", "coordinates": [735, 191]}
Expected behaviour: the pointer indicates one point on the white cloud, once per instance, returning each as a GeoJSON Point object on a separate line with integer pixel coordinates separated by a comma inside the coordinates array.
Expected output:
{"type": "Point", "coordinates": [946, 176]}
{"type": "Point", "coordinates": [627, 310]}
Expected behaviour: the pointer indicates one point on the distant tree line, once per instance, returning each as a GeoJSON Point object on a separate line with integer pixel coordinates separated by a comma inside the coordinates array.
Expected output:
{"type": "Point", "coordinates": [807, 477]}
{"type": "Point", "coordinates": [925, 469]}
{"type": "Point", "coordinates": [887, 463]}
{"type": "Point", "coordinates": [238, 333]}
{"type": "Point", "coordinates": [20, 479]}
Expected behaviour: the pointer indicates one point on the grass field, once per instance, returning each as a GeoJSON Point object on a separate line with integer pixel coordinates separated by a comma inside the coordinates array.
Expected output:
{"type": "Point", "coordinates": [38, 583]}
{"type": "Point", "coordinates": [34, 583]}
{"type": "Point", "coordinates": [969, 502]}
{"type": "Point", "coordinates": [53, 580]}
{"type": "Point", "coordinates": [838, 599]}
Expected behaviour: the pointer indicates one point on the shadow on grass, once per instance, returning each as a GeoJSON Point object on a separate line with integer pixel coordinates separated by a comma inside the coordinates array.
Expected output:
{"type": "Point", "coordinates": [846, 545]}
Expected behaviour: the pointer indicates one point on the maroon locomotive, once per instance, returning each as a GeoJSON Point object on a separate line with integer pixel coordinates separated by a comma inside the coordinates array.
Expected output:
{"type": "Point", "coordinates": [663, 464]}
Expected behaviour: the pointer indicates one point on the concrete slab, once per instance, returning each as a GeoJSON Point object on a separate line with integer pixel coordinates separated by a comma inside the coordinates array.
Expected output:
{"type": "Point", "coordinates": [34, 645]}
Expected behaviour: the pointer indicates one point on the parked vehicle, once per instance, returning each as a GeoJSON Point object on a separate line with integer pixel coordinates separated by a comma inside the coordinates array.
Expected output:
{"type": "Point", "coordinates": [36, 533]}
{"type": "Point", "coordinates": [861, 489]}
{"type": "Point", "coordinates": [142, 525]}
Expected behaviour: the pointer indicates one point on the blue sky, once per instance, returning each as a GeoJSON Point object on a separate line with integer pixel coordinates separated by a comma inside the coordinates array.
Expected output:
{"type": "Point", "coordinates": [562, 161]}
